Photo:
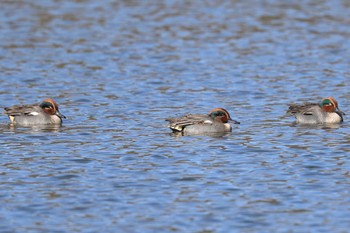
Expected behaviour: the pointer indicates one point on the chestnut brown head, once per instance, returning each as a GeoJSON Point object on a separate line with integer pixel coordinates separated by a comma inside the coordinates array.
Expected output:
{"type": "Point", "coordinates": [329, 104]}
{"type": "Point", "coordinates": [221, 115]}
{"type": "Point", "coordinates": [50, 107]}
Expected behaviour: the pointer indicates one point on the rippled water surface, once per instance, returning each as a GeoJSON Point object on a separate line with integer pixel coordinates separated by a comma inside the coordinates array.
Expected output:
{"type": "Point", "coordinates": [119, 68]}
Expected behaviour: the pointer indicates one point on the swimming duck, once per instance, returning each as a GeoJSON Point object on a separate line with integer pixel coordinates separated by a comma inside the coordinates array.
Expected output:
{"type": "Point", "coordinates": [214, 122]}
{"type": "Point", "coordinates": [46, 113]}
{"type": "Point", "coordinates": [326, 111]}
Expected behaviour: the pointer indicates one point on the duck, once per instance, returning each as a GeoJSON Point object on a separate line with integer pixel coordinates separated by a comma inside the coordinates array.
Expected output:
{"type": "Point", "coordinates": [45, 113]}
{"type": "Point", "coordinates": [216, 121]}
{"type": "Point", "coordinates": [325, 112]}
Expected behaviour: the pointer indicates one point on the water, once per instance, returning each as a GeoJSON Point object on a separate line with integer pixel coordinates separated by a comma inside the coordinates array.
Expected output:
{"type": "Point", "coordinates": [118, 68]}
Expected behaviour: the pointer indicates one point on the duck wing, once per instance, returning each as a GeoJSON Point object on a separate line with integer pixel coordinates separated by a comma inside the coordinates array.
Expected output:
{"type": "Point", "coordinates": [19, 110]}
{"type": "Point", "coordinates": [305, 109]}
{"type": "Point", "coordinates": [179, 123]}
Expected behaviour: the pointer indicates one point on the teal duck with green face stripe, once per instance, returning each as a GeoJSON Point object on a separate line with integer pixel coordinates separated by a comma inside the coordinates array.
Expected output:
{"type": "Point", "coordinates": [46, 113]}
{"type": "Point", "coordinates": [327, 111]}
{"type": "Point", "coordinates": [217, 121]}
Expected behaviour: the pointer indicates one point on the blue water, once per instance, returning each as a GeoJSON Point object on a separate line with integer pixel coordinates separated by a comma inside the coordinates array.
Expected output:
{"type": "Point", "coordinates": [117, 69]}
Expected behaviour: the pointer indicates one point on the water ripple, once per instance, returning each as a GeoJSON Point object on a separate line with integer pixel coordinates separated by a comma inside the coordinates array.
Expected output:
{"type": "Point", "coordinates": [119, 68]}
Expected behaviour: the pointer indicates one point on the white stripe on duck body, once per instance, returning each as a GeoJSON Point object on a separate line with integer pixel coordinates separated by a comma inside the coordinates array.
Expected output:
{"type": "Point", "coordinates": [326, 112]}
{"type": "Point", "coordinates": [214, 122]}
{"type": "Point", "coordinates": [46, 113]}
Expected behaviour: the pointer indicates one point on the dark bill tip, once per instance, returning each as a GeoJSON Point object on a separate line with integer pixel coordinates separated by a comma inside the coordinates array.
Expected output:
{"type": "Point", "coordinates": [60, 115]}
{"type": "Point", "coordinates": [235, 122]}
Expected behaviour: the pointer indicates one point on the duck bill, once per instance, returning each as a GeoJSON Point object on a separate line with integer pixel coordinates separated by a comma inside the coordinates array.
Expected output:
{"type": "Point", "coordinates": [60, 115]}
{"type": "Point", "coordinates": [341, 112]}
{"type": "Point", "coordinates": [234, 121]}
